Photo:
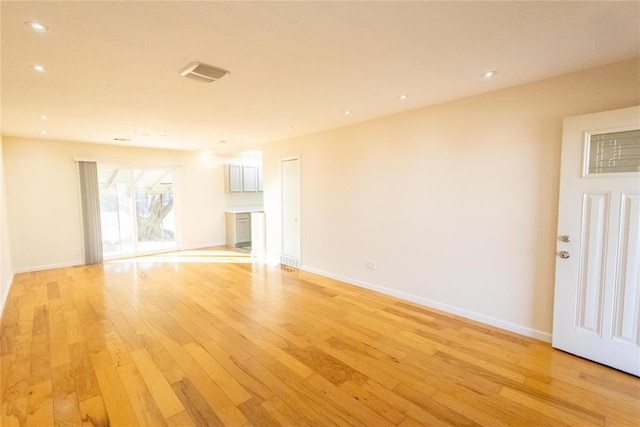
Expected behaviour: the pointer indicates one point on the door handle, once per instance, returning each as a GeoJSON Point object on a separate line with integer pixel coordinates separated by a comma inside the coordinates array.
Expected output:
{"type": "Point", "coordinates": [564, 254]}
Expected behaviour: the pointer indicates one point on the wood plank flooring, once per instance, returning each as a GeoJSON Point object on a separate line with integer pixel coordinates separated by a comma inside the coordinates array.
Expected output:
{"type": "Point", "coordinates": [207, 338]}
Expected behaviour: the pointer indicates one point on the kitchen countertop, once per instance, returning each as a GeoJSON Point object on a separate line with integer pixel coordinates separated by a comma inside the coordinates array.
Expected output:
{"type": "Point", "coordinates": [244, 209]}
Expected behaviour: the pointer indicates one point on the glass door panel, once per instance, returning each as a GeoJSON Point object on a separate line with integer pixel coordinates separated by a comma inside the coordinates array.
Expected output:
{"type": "Point", "coordinates": [115, 212]}
{"type": "Point", "coordinates": [154, 206]}
{"type": "Point", "coordinates": [136, 208]}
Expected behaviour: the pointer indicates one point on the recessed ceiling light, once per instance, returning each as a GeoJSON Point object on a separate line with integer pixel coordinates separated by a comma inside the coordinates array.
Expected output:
{"type": "Point", "coordinates": [347, 112]}
{"type": "Point", "coordinates": [39, 68]}
{"type": "Point", "coordinates": [43, 117]}
{"type": "Point", "coordinates": [43, 132]}
{"type": "Point", "coordinates": [37, 26]}
{"type": "Point", "coordinates": [488, 74]}
{"type": "Point", "coordinates": [403, 97]}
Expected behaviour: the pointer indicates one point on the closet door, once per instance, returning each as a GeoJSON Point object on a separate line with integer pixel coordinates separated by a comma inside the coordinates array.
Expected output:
{"type": "Point", "coordinates": [290, 172]}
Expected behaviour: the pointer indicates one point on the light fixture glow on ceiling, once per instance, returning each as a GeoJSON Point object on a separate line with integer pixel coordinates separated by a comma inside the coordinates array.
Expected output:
{"type": "Point", "coordinates": [43, 117]}
{"type": "Point", "coordinates": [347, 112]}
{"type": "Point", "coordinates": [403, 97]}
{"type": "Point", "coordinates": [43, 132]}
{"type": "Point", "coordinates": [39, 68]}
{"type": "Point", "coordinates": [36, 26]}
{"type": "Point", "coordinates": [488, 74]}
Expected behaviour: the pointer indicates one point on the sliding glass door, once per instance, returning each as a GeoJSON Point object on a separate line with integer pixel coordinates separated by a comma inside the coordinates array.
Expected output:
{"type": "Point", "coordinates": [136, 210]}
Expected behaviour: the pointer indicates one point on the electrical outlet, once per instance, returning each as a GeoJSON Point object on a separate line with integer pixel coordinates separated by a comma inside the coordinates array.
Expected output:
{"type": "Point", "coordinates": [370, 264]}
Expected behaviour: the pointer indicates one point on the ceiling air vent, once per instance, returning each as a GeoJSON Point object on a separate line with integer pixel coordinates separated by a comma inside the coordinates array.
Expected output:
{"type": "Point", "coordinates": [202, 72]}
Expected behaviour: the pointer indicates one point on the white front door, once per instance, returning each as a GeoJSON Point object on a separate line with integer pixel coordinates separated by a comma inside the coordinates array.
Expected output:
{"type": "Point", "coordinates": [597, 290]}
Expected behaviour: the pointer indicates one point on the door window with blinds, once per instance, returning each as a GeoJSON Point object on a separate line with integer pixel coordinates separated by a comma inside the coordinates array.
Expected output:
{"type": "Point", "coordinates": [613, 152]}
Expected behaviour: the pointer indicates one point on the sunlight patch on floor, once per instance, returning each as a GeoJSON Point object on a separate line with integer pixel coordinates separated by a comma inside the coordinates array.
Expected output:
{"type": "Point", "coordinates": [216, 255]}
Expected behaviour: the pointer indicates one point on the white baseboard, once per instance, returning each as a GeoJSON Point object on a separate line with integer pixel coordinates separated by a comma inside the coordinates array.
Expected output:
{"type": "Point", "coordinates": [498, 323]}
{"type": "Point", "coordinates": [80, 262]}
{"type": "Point", "coordinates": [202, 246]}
{"type": "Point", "coordinates": [5, 295]}
{"type": "Point", "coordinates": [48, 266]}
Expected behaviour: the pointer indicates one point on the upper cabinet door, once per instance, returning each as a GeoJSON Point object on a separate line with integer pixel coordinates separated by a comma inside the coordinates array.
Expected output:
{"type": "Point", "coordinates": [259, 178]}
{"type": "Point", "coordinates": [235, 178]}
{"type": "Point", "coordinates": [250, 178]}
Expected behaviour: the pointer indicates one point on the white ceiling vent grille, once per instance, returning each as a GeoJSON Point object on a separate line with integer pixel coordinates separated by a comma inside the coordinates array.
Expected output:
{"type": "Point", "coordinates": [202, 72]}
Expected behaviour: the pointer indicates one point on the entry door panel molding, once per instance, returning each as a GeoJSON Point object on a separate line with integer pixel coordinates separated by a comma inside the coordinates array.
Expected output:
{"type": "Point", "coordinates": [595, 211]}
{"type": "Point", "coordinates": [627, 294]}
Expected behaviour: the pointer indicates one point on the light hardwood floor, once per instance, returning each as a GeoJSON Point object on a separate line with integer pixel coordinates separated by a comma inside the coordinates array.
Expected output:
{"type": "Point", "coordinates": [208, 338]}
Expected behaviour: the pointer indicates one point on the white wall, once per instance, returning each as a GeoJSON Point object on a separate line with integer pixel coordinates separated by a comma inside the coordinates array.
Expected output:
{"type": "Point", "coordinates": [6, 266]}
{"type": "Point", "coordinates": [456, 202]}
{"type": "Point", "coordinates": [44, 206]}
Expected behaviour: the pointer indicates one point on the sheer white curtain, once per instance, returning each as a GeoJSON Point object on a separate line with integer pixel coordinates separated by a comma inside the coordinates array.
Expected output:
{"type": "Point", "coordinates": [91, 212]}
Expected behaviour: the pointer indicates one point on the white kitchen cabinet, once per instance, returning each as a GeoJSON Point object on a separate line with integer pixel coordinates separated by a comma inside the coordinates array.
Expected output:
{"type": "Point", "coordinates": [243, 229]}
{"type": "Point", "coordinates": [249, 178]}
{"type": "Point", "coordinates": [234, 178]}
{"type": "Point", "coordinates": [238, 227]}
{"type": "Point", "coordinates": [241, 178]}
{"type": "Point", "coordinates": [259, 178]}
